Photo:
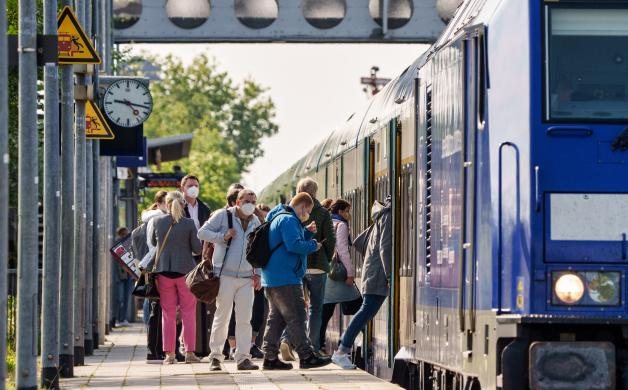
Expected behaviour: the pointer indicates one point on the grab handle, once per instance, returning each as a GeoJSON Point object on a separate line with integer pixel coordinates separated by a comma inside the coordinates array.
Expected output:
{"type": "Point", "coordinates": [537, 196]}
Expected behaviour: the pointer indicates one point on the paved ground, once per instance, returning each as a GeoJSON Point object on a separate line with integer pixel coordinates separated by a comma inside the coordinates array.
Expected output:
{"type": "Point", "coordinates": [120, 364]}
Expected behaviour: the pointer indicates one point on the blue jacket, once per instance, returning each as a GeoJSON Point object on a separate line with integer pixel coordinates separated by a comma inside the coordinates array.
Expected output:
{"type": "Point", "coordinates": [288, 263]}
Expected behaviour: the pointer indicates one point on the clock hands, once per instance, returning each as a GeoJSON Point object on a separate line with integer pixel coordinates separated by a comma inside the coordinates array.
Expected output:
{"type": "Point", "coordinates": [131, 105]}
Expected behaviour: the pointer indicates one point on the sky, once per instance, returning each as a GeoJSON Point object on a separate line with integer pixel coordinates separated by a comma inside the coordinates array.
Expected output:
{"type": "Point", "coordinates": [314, 87]}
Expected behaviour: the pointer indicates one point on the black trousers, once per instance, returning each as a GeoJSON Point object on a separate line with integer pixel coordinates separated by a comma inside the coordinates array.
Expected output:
{"type": "Point", "coordinates": [328, 312]}
{"type": "Point", "coordinates": [154, 340]}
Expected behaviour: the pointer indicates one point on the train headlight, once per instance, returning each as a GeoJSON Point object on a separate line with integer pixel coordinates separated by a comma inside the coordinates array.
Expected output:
{"type": "Point", "coordinates": [603, 287]}
{"type": "Point", "coordinates": [569, 288]}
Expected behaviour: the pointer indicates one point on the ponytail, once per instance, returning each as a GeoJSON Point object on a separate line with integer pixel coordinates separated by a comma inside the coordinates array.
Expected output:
{"type": "Point", "coordinates": [175, 202]}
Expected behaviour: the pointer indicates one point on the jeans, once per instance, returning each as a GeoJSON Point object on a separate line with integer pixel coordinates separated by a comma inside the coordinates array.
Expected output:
{"type": "Point", "coordinates": [171, 292]}
{"type": "Point", "coordinates": [286, 311]}
{"type": "Point", "coordinates": [370, 306]}
{"type": "Point", "coordinates": [315, 284]}
{"type": "Point", "coordinates": [146, 310]}
{"type": "Point", "coordinates": [124, 288]}
{"type": "Point", "coordinates": [239, 291]}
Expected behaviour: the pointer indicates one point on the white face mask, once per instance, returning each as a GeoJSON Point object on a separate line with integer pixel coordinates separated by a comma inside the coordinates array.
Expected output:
{"type": "Point", "coordinates": [192, 192]}
{"type": "Point", "coordinates": [247, 209]}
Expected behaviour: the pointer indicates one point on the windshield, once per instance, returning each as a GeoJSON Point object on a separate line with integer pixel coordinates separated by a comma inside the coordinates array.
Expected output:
{"type": "Point", "coordinates": [587, 67]}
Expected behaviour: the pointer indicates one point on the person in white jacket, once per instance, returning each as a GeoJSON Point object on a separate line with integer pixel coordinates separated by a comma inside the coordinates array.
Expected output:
{"type": "Point", "coordinates": [228, 230]}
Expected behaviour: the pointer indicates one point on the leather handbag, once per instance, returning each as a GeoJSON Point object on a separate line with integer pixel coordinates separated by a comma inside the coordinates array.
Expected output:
{"type": "Point", "coordinates": [338, 271]}
{"type": "Point", "coordinates": [146, 285]}
{"type": "Point", "coordinates": [203, 283]}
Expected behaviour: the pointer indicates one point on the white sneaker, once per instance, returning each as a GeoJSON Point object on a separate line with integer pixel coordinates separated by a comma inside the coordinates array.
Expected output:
{"type": "Point", "coordinates": [125, 323]}
{"type": "Point", "coordinates": [342, 360]}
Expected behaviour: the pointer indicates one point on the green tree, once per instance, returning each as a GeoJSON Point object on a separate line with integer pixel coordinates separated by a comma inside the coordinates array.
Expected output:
{"type": "Point", "coordinates": [228, 121]}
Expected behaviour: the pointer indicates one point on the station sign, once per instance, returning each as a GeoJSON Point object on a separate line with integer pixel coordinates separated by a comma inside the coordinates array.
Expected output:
{"type": "Point", "coordinates": [73, 44]}
{"type": "Point", "coordinates": [160, 180]}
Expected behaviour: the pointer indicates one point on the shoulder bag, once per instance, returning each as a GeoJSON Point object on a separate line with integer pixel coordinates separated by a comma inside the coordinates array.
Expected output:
{"type": "Point", "coordinates": [338, 271]}
{"type": "Point", "coordinates": [146, 285]}
{"type": "Point", "coordinates": [203, 283]}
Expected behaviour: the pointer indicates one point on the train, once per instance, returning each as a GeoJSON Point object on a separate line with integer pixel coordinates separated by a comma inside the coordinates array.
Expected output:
{"type": "Point", "coordinates": [504, 148]}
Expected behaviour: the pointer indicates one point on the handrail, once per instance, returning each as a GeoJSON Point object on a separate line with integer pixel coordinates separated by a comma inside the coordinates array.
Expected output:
{"type": "Point", "coordinates": [499, 222]}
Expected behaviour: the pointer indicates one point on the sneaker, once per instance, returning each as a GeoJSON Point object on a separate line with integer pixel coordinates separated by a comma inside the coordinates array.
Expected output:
{"type": "Point", "coordinates": [276, 365]}
{"type": "Point", "coordinates": [215, 365]}
{"type": "Point", "coordinates": [313, 362]}
{"type": "Point", "coordinates": [124, 323]}
{"type": "Point", "coordinates": [231, 354]}
{"type": "Point", "coordinates": [170, 359]}
{"type": "Point", "coordinates": [342, 360]}
{"type": "Point", "coordinates": [190, 357]}
{"type": "Point", "coordinates": [152, 359]}
{"type": "Point", "coordinates": [286, 352]}
{"type": "Point", "coordinates": [256, 353]}
{"type": "Point", "coordinates": [247, 365]}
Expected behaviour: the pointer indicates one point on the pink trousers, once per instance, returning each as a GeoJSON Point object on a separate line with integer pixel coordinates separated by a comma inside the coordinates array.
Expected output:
{"type": "Point", "coordinates": [173, 292]}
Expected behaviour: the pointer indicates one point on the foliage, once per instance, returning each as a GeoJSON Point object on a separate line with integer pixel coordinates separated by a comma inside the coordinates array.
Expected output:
{"type": "Point", "coordinates": [228, 121]}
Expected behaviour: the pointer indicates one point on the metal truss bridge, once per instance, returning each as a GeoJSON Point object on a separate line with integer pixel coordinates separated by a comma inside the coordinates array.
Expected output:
{"type": "Point", "coordinates": [322, 21]}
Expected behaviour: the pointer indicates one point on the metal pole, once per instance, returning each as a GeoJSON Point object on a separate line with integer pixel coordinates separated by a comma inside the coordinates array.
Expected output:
{"type": "Point", "coordinates": [4, 189]}
{"type": "Point", "coordinates": [50, 284]}
{"type": "Point", "coordinates": [28, 181]}
{"type": "Point", "coordinates": [89, 206]}
{"type": "Point", "coordinates": [66, 323]}
{"type": "Point", "coordinates": [96, 275]}
{"type": "Point", "coordinates": [89, 254]}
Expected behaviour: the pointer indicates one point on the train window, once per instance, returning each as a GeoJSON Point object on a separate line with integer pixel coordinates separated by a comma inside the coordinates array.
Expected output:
{"type": "Point", "coordinates": [586, 75]}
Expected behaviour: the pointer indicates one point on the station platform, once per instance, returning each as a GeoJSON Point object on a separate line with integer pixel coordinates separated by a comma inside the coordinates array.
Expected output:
{"type": "Point", "coordinates": [120, 363]}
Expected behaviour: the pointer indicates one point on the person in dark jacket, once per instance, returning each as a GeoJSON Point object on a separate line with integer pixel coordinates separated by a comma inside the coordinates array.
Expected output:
{"type": "Point", "coordinates": [176, 239]}
{"type": "Point", "coordinates": [199, 212]}
{"type": "Point", "coordinates": [317, 267]}
{"type": "Point", "coordinates": [375, 281]}
{"type": "Point", "coordinates": [282, 279]}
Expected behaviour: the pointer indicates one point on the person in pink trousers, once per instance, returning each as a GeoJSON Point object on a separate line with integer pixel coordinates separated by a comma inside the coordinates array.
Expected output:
{"type": "Point", "coordinates": [175, 238]}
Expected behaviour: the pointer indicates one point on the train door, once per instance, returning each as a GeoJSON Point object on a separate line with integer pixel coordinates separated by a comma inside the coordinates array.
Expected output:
{"type": "Point", "coordinates": [474, 103]}
{"type": "Point", "coordinates": [378, 362]}
{"type": "Point", "coordinates": [407, 238]}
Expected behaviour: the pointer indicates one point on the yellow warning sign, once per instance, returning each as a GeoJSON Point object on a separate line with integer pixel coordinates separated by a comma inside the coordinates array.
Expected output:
{"type": "Point", "coordinates": [73, 44]}
{"type": "Point", "coordinates": [96, 126]}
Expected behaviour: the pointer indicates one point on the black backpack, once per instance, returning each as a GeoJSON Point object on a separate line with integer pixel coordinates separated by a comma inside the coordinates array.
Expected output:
{"type": "Point", "coordinates": [258, 251]}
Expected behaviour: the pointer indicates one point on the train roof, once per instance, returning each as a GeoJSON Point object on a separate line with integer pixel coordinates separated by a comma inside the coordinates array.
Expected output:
{"type": "Point", "coordinates": [383, 107]}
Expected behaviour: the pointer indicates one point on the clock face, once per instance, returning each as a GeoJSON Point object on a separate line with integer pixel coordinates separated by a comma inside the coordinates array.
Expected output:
{"type": "Point", "coordinates": [127, 103]}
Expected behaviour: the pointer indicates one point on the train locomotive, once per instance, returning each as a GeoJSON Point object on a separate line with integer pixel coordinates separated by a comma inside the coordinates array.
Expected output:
{"type": "Point", "coordinates": [504, 148]}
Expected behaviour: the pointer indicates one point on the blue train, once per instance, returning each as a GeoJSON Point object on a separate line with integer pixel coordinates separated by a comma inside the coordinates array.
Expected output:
{"type": "Point", "coordinates": [504, 148]}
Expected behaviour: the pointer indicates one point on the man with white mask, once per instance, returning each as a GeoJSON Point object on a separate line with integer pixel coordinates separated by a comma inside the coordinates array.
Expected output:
{"type": "Point", "coordinates": [195, 208]}
{"type": "Point", "coordinates": [228, 230]}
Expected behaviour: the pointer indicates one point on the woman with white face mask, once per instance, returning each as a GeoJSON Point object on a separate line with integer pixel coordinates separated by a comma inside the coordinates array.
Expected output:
{"type": "Point", "coordinates": [228, 230]}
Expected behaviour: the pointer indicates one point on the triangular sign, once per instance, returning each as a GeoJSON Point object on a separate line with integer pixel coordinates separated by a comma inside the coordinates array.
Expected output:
{"type": "Point", "coordinates": [96, 127]}
{"type": "Point", "coordinates": [73, 44]}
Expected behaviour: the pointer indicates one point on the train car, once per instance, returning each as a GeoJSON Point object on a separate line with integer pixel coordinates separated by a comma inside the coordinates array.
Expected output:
{"type": "Point", "coordinates": [504, 148]}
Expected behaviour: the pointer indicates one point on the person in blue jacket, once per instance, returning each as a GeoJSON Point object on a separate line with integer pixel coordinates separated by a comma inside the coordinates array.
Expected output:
{"type": "Point", "coordinates": [282, 279]}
